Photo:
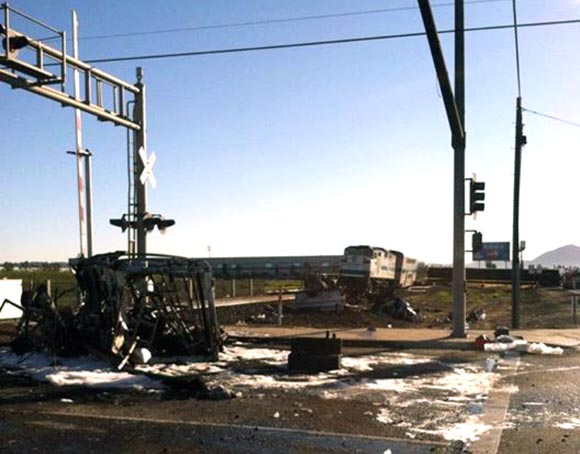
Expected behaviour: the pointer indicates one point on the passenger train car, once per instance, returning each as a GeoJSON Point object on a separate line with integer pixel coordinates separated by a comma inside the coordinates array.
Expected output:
{"type": "Point", "coordinates": [374, 271]}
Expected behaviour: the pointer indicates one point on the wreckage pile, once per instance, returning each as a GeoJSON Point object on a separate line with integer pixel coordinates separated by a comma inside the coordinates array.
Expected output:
{"type": "Point", "coordinates": [129, 311]}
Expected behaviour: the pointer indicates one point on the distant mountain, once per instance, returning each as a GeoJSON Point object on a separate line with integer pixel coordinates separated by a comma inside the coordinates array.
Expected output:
{"type": "Point", "coordinates": [566, 255]}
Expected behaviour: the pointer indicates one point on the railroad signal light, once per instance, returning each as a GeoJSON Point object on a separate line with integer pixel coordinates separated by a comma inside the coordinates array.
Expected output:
{"type": "Point", "coordinates": [476, 196]}
{"type": "Point", "coordinates": [16, 42]}
{"type": "Point", "coordinates": [476, 242]}
{"type": "Point", "coordinates": [123, 223]}
{"type": "Point", "coordinates": [150, 221]}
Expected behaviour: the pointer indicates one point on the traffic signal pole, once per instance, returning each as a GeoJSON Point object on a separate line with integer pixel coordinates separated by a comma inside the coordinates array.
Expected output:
{"type": "Point", "coordinates": [458, 284]}
{"type": "Point", "coordinates": [454, 107]}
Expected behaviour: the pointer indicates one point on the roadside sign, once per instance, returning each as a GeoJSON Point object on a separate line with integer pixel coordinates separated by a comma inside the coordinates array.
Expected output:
{"type": "Point", "coordinates": [498, 251]}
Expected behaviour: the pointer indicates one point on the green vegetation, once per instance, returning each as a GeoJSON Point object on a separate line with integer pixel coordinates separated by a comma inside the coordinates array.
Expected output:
{"type": "Point", "coordinates": [224, 287]}
{"type": "Point", "coordinates": [61, 281]}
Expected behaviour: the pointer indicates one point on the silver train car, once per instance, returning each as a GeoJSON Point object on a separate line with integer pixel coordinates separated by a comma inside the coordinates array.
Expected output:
{"type": "Point", "coordinates": [375, 272]}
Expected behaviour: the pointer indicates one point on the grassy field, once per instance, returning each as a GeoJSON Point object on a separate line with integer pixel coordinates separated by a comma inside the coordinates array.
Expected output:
{"type": "Point", "coordinates": [540, 307]}
{"type": "Point", "coordinates": [61, 281]}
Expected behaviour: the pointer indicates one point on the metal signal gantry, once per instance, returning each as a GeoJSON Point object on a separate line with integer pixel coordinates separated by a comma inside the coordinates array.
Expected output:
{"type": "Point", "coordinates": [32, 65]}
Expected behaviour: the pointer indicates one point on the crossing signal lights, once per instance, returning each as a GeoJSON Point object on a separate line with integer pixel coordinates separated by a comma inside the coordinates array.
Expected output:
{"type": "Point", "coordinates": [150, 221]}
{"type": "Point", "coordinates": [16, 42]}
{"type": "Point", "coordinates": [476, 196]}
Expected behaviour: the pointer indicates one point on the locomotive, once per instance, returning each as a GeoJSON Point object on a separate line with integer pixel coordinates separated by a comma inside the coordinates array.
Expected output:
{"type": "Point", "coordinates": [374, 272]}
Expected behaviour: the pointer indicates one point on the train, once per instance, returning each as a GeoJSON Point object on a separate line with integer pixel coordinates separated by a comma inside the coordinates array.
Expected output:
{"type": "Point", "coordinates": [375, 272]}
{"type": "Point", "coordinates": [361, 272]}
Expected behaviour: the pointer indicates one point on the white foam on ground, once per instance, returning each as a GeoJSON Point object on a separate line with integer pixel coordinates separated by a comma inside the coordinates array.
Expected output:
{"type": "Point", "coordinates": [523, 346]}
{"type": "Point", "coordinates": [569, 424]}
{"type": "Point", "coordinates": [447, 390]}
{"type": "Point", "coordinates": [384, 416]}
{"type": "Point", "coordinates": [470, 430]}
{"type": "Point", "coordinates": [80, 371]}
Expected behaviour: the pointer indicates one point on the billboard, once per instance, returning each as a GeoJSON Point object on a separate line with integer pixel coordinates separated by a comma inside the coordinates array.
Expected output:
{"type": "Point", "coordinates": [499, 251]}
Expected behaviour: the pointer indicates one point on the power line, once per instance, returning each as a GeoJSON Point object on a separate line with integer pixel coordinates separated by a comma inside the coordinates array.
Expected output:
{"type": "Point", "coordinates": [277, 21]}
{"type": "Point", "coordinates": [320, 43]}
{"type": "Point", "coordinates": [551, 117]}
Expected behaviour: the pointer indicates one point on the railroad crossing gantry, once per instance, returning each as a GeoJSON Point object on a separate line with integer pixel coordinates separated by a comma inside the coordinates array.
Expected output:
{"type": "Point", "coordinates": [32, 65]}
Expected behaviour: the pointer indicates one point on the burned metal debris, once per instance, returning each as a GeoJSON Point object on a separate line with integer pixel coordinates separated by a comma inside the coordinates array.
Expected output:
{"type": "Point", "coordinates": [129, 311]}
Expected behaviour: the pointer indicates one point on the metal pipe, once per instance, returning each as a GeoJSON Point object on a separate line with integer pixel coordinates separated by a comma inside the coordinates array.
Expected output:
{"type": "Point", "coordinates": [63, 64]}
{"type": "Point", "coordinates": [89, 199]}
{"type": "Point", "coordinates": [30, 18]}
{"type": "Point", "coordinates": [7, 31]}
{"type": "Point", "coordinates": [441, 70]}
{"type": "Point", "coordinates": [63, 98]}
{"type": "Point", "coordinates": [79, 64]}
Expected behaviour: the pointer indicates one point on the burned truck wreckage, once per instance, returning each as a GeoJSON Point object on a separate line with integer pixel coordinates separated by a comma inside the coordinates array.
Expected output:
{"type": "Point", "coordinates": [129, 311]}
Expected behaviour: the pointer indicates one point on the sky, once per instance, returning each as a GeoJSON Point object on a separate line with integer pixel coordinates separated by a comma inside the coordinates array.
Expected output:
{"type": "Point", "coordinates": [301, 151]}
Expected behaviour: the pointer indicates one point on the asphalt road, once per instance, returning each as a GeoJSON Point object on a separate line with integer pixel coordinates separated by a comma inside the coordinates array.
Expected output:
{"type": "Point", "coordinates": [544, 409]}
{"type": "Point", "coordinates": [533, 407]}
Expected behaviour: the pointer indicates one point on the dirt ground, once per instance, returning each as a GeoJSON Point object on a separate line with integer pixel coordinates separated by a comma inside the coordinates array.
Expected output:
{"type": "Point", "coordinates": [178, 420]}
{"type": "Point", "coordinates": [540, 308]}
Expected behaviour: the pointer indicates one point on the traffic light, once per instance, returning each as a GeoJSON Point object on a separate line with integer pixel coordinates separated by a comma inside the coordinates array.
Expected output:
{"type": "Point", "coordinates": [476, 196]}
{"type": "Point", "coordinates": [476, 242]}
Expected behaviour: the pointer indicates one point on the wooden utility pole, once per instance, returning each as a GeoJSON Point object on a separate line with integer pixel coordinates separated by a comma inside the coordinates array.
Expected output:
{"type": "Point", "coordinates": [516, 272]}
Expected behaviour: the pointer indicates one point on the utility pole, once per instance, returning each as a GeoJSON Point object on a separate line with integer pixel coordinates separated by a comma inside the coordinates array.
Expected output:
{"type": "Point", "coordinates": [140, 117]}
{"type": "Point", "coordinates": [520, 142]}
{"type": "Point", "coordinates": [454, 107]}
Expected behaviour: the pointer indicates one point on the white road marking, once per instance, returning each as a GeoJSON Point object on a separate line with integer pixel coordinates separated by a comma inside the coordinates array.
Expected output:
{"type": "Point", "coordinates": [242, 426]}
{"type": "Point", "coordinates": [494, 415]}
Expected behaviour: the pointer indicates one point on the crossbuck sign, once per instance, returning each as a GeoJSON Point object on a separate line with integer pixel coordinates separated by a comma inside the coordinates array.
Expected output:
{"type": "Point", "coordinates": [147, 174]}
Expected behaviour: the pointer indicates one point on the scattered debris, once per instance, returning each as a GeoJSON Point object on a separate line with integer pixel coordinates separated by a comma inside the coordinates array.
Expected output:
{"type": "Point", "coordinates": [321, 293]}
{"type": "Point", "coordinates": [398, 309]}
{"type": "Point", "coordinates": [130, 311]}
{"type": "Point", "coordinates": [269, 316]}
{"type": "Point", "coordinates": [501, 331]}
{"type": "Point", "coordinates": [505, 343]}
{"type": "Point", "coordinates": [481, 341]}
{"type": "Point", "coordinates": [476, 315]}
{"type": "Point", "coordinates": [315, 355]}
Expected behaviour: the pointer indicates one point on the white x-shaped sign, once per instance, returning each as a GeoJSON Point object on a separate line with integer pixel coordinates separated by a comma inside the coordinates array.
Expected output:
{"type": "Point", "coordinates": [147, 174]}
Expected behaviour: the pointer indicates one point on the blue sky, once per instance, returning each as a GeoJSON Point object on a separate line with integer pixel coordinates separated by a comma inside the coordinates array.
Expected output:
{"type": "Point", "coordinates": [301, 151]}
